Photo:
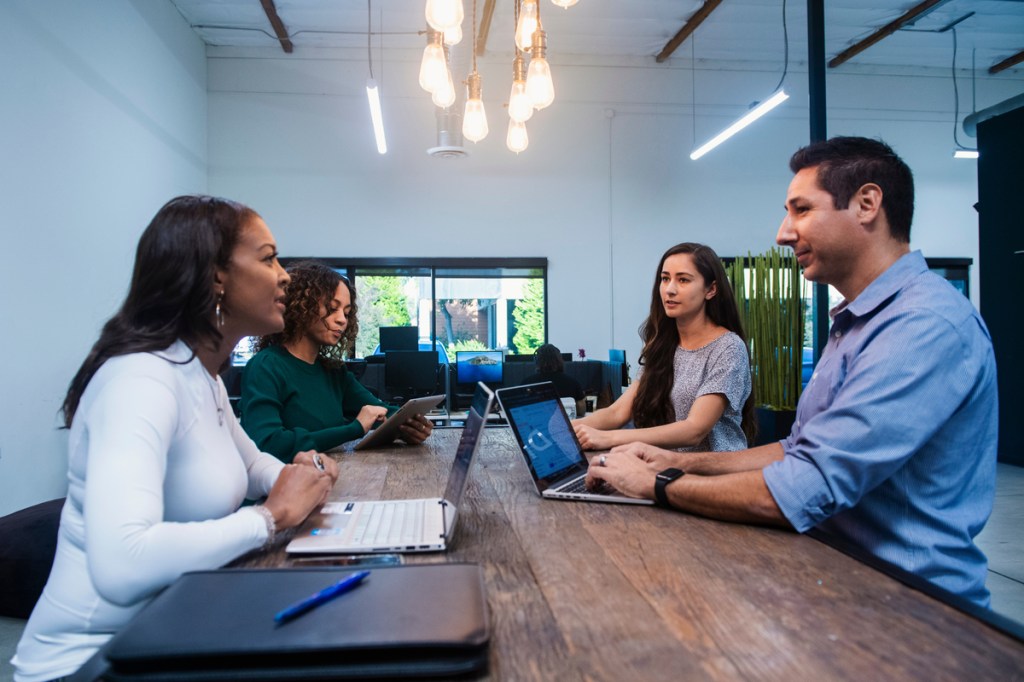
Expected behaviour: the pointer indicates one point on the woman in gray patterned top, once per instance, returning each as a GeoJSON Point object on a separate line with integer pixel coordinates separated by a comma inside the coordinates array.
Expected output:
{"type": "Point", "coordinates": [694, 388]}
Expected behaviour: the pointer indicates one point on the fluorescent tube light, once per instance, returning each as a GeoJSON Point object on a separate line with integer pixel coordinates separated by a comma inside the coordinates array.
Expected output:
{"type": "Point", "coordinates": [378, 121]}
{"type": "Point", "coordinates": [751, 116]}
{"type": "Point", "coordinates": [966, 154]}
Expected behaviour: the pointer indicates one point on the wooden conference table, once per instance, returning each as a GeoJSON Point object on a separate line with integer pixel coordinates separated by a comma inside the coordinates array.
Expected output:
{"type": "Point", "coordinates": [613, 592]}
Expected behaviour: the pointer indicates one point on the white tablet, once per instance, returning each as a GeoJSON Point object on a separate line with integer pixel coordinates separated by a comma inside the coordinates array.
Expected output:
{"type": "Point", "coordinates": [388, 431]}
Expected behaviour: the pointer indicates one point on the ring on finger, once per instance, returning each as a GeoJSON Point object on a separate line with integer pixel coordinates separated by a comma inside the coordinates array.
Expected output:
{"type": "Point", "coordinates": [602, 460]}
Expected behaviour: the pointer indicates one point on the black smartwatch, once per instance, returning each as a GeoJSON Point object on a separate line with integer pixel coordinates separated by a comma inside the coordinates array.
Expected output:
{"type": "Point", "coordinates": [663, 479]}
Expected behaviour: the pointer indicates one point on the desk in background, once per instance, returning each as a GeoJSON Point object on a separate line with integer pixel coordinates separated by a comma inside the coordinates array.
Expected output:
{"type": "Point", "coordinates": [612, 592]}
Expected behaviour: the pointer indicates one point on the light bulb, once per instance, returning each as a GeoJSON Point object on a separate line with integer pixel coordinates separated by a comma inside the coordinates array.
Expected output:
{"type": "Point", "coordinates": [444, 96]}
{"type": "Point", "coordinates": [433, 68]}
{"type": "Point", "coordinates": [565, 4]}
{"type": "Point", "coordinates": [453, 36]}
{"type": "Point", "coordinates": [539, 87]}
{"type": "Point", "coordinates": [517, 140]}
{"type": "Point", "coordinates": [527, 24]}
{"type": "Point", "coordinates": [520, 107]}
{"type": "Point", "coordinates": [474, 120]}
{"type": "Point", "coordinates": [444, 14]}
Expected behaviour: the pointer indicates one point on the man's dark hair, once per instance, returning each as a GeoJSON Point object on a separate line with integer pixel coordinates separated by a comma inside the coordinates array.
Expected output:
{"type": "Point", "coordinates": [845, 164]}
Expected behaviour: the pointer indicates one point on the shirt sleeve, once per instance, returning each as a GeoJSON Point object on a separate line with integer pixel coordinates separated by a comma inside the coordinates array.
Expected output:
{"type": "Point", "coordinates": [262, 469]}
{"type": "Point", "coordinates": [728, 373]}
{"type": "Point", "coordinates": [886, 402]}
{"type": "Point", "coordinates": [131, 551]}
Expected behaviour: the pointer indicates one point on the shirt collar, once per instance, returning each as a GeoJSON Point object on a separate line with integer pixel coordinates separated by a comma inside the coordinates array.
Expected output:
{"type": "Point", "coordinates": [884, 286]}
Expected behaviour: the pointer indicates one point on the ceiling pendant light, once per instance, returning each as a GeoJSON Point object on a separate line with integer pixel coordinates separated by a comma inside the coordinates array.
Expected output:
{"type": "Point", "coordinates": [453, 36]}
{"type": "Point", "coordinates": [528, 23]}
{"type": "Point", "coordinates": [433, 68]}
{"type": "Point", "coordinates": [444, 95]}
{"type": "Point", "coordinates": [474, 119]}
{"type": "Point", "coordinates": [565, 4]}
{"type": "Point", "coordinates": [539, 86]}
{"type": "Point", "coordinates": [520, 107]}
{"type": "Point", "coordinates": [516, 140]}
{"type": "Point", "coordinates": [443, 15]}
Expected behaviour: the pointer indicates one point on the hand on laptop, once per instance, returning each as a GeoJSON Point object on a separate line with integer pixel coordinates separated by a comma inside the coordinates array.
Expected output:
{"type": "Point", "coordinates": [624, 471]}
{"type": "Point", "coordinates": [416, 430]}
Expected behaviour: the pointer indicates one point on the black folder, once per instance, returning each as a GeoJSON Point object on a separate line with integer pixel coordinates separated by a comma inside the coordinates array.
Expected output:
{"type": "Point", "coordinates": [414, 621]}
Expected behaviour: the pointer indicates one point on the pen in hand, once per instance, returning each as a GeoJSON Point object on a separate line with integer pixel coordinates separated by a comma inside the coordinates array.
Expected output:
{"type": "Point", "coordinates": [321, 597]}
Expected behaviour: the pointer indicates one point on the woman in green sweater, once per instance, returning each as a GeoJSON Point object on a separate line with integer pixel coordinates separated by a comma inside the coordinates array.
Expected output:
{"type": "Point", "coordinates": [296, 393]}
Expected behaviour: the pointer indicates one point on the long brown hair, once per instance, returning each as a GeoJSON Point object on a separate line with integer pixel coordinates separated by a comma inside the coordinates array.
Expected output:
{"type": "Point", "coordinates": [313, 285]}
{"type": "Point", "coordinates": [171, 295]}
{"type": "Point", "coordinates": [652, 405]}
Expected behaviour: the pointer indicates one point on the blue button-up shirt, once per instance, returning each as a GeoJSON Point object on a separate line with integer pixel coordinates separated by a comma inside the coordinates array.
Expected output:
{"type": "Point", "coordinates": [894, 445]}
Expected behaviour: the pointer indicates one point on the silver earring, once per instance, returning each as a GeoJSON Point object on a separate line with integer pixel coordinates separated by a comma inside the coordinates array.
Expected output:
{"type": "Point", "coordinates": [217, 311]}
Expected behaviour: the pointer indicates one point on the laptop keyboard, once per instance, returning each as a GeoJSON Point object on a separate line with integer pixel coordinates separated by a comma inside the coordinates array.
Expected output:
{"type": "Point", "coordinates": [391, 523]}
{"type": "Point", "coordinates": [579, 485]}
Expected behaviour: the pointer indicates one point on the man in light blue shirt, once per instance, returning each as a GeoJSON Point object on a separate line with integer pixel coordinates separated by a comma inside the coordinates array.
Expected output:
{"type": "Point", "coordinates": [894, 445]}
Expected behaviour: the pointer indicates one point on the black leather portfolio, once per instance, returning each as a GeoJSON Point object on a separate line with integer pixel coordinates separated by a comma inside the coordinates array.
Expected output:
{"type": "Point", "coordinates": [416, 621]}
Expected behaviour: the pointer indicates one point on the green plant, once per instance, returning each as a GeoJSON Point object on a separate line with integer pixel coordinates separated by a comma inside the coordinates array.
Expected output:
{"type": "Point", "coordinates": [769, 297]}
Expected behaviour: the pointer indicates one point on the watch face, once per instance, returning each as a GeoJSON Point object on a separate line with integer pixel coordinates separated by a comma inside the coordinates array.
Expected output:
{"type": "Point", "coordinates": [669, 475]}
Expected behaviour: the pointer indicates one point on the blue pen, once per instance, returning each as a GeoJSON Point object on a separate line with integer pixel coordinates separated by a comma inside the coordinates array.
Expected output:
{"type": "Point", "coordinates": [321, 597]}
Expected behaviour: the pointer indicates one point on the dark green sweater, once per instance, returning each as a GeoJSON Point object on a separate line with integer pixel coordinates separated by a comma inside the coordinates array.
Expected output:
{"type": "Point", "coordinates": [289, 405]}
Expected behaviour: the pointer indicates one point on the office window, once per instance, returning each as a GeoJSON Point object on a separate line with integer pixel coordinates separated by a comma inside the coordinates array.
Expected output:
{"type": "Point", "coordinates": [456, 304]}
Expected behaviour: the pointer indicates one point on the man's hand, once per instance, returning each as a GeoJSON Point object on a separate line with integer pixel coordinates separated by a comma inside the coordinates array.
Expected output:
{"type": "Point", "coordinates": [657, 459]}
{"type": "Point", "coordinates": [624, 471]}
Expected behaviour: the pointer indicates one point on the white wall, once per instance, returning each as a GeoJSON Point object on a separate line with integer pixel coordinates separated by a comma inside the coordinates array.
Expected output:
{"type": "Point", "coordinates": [102, 119]}
{"type": "Point", "coordinates": [605, 186]}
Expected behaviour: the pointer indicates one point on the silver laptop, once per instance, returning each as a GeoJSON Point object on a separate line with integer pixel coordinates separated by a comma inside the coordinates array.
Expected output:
{"type": "Point", "coordinates": [548, 442]}
{"type": "Point", "coordinates": [423, 525]}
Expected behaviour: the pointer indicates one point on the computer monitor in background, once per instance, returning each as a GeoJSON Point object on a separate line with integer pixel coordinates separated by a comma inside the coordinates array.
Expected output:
{"type": "Point", "coordinates": [410, 373]}
{"type": "Point", "coordinates": [399, 338]}
{"type": "Point", "coordinates": [567, 357]}
{"type": "Point", "coordinates": [472, 366]}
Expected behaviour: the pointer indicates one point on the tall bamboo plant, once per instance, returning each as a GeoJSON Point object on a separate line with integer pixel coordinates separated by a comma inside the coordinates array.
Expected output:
{"type": "Point", "coordinates": [770, 301]}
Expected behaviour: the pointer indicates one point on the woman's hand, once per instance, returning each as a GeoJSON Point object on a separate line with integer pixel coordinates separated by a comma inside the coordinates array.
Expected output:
{"type": "Point", "coordinates": [591, 438]}
{"type": "Point", "coordinates": [327, 464]}
{"type": "Point", "coordinates": [299, 490]}
{"type": "Point", "coordinates": [416, 430]}
{"type": "Point", "coordinates": [370, 415]}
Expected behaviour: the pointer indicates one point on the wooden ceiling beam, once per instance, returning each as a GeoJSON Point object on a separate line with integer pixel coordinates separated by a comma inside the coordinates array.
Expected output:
{"type": "Point", "coordinates": [279, 29]}
{"type": "Point", "coordinates": [884, 32]}
{"type": "Point", "coordinates": [689, 27]}
{"type": "Point", "coordinates": [485, 27]}
{"type": "Point", "coordinates": [1007, 63]}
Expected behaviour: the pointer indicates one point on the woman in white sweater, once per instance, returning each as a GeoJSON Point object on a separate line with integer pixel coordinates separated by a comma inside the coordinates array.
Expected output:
{"type": "Point", "coordinates": [157, 463]}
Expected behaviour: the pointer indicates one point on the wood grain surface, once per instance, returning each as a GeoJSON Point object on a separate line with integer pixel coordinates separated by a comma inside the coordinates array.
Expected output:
{"type": "Point", "coordinates": [585, 591]}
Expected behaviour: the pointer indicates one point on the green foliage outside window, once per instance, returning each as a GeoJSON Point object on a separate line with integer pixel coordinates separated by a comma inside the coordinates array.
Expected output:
{"type": "Point", "coordinates": [529, 316]}
{"type": "Point", "coordinates": [382, 303]}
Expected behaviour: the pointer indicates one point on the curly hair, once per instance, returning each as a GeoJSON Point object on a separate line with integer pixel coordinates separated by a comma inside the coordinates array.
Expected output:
{"type": "Point", "coordinates": [652, 405]}
{"type": "Point", "coordinates": [308, 302]}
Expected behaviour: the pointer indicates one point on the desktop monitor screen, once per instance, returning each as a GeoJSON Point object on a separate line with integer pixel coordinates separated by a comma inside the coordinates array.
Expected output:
{"type": "Point", "coordinates": [399, 338]}
{"type": "Point", "coordinates": [472, 366]}
{"type": "Point", "coordinates": [410, 373]}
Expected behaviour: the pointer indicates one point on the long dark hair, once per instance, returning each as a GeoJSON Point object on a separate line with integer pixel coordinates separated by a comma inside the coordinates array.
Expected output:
{"type": "Point", "coordinates": [171, 295]}
{"type": "Point", "coordinates": [652, 405]}
{"type": "Point", "coordinates": [313, 284]}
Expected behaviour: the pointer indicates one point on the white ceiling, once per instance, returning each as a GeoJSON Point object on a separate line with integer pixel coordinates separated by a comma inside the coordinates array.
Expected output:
{"type": "Point", "coordinates": [738, 30]}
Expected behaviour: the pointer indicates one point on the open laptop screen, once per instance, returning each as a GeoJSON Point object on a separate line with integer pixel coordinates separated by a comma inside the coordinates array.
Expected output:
{"type": "Point", "coordinates": [544, 432]}
{"type": "Point", "coordinates": [470, 441]}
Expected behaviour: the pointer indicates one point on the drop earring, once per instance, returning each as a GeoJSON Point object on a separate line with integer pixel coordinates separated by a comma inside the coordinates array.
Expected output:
{"type": "Point", "coordinates": [217, 311]}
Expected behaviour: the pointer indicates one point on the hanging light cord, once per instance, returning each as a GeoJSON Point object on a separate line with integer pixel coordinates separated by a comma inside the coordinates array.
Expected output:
{"type": "Point", "coordinates": [785, 41]}
{"type": "Point", "coordinates": [473, 27]}
{"type": "Point", "coordinates": [956, 96]}
{"type": "Point", "coordinates": [369, 32]}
